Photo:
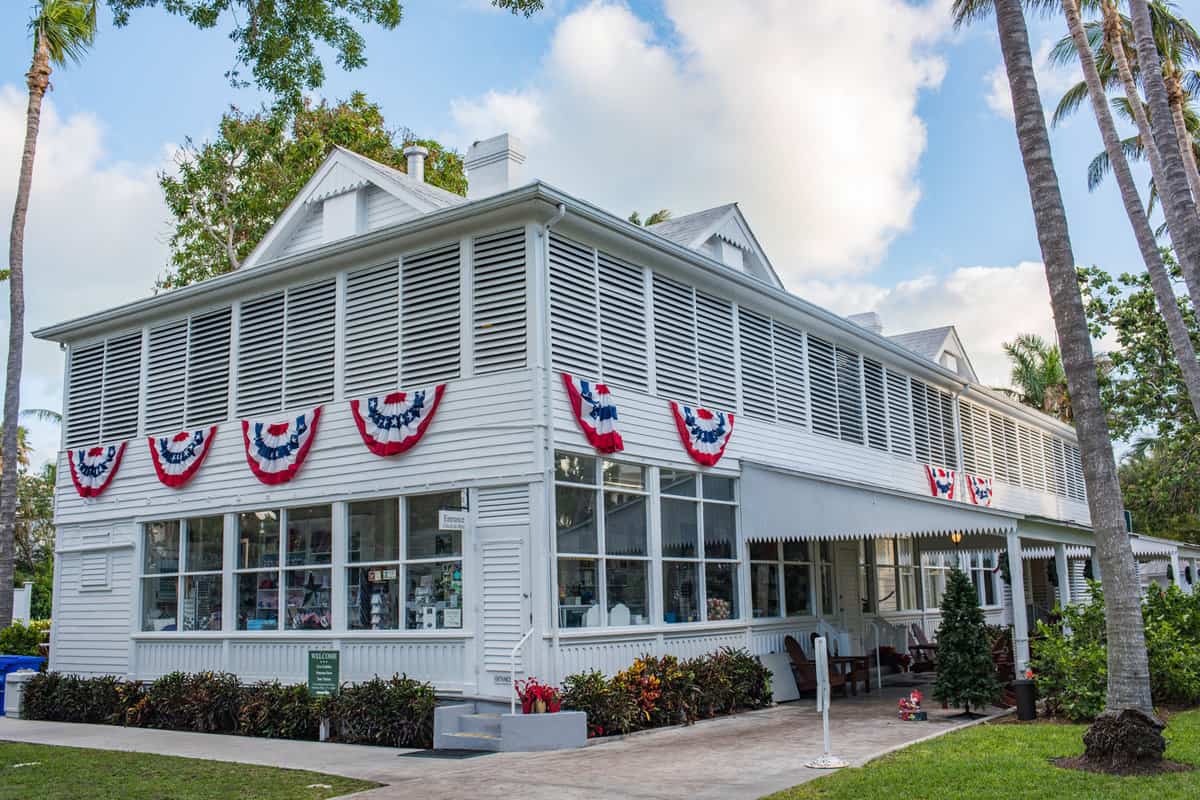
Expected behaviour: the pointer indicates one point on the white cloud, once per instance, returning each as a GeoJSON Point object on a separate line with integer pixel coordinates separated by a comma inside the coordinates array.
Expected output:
{"type": "Point", "coordinates": [94, 237]}
{"type": "Point", "coordinates": [988, 306]}
{"type": "Point", "coordinates": [1052, 81]}
{"type": "Point", "coordinates": [803, 112]}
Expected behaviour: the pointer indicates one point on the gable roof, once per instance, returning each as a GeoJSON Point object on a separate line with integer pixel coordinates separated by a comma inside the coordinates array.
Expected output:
{"type": "Point", "coordinates": [930, 343]}
{"type": "Point", "coordinates": [726, 222]}
{"type": "Point", "coordinates": [344, 171]}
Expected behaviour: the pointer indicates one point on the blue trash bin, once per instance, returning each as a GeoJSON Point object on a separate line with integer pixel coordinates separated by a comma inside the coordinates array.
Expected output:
{"type": "Point", "coordinates": [12, 664]}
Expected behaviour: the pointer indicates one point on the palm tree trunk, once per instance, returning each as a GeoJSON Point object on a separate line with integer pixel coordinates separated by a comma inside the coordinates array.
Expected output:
{"type": "Point", "coordinates": [38, 80]}
{"type": "Point", "coordinates": [1172, 183]}
{"type": "Point", "coordinates": [1114, 37]}
{"type": "Point", "coordinates": [1160, 279]}
{"type": "Point", "coordinates": [1175, 97]}
{"type": "Point", "coordinates": [1128, 668]}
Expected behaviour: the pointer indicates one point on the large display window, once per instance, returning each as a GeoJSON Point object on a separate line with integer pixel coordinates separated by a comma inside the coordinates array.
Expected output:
{"type": "Point", "coordinates": [181, 574]}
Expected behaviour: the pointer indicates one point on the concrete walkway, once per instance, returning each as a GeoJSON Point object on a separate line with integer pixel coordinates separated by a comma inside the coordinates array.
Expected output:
{"type": "Point", "coordinates": [740, 757]}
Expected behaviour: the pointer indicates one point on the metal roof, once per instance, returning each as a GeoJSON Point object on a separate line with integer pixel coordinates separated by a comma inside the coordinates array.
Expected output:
{"type": "Point", "coordinates": [686, 229]}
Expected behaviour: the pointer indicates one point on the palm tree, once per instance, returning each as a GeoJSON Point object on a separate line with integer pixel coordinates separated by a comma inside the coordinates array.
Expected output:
{"type": "Point", "coordinates": [1128, 668]}
{"type": "Point", "coordinates": [1160, 279]}
{"type": "Point", "coordinates": [62, 31]}
{"type": "Point", "coordinates": [1172, 183]}
{"type": "Point", "coordinates": [1037, 376]}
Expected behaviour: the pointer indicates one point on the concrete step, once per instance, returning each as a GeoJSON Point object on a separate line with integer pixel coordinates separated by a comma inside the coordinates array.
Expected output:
{"type": "Point", "coordinates": [470, 741]}
{"type": "Point", "coordinates": [479, 723]}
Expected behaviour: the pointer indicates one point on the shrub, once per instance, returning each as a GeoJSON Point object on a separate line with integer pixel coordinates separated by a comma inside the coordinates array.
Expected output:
{"type": "Point", "coordinates": [275, 711]}
{"type": "Point", "coordinates": [23, 640]}
{"type": "Point", "coordinates": [395, 713]}
{"type": "Point", "coordinates": [69, 698]}
{"type": "Point", "coordinates": [611, 708]}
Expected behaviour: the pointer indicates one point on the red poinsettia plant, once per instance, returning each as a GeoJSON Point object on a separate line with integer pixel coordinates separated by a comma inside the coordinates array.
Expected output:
{"type": "Point", "coordinates": [537, 697]}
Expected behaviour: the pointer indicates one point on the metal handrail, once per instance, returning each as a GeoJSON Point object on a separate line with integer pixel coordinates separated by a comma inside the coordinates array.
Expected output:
{"type": "Point", "coordinates": [512, 669]}
{"type": "Point", "coordinates": [878, 662]}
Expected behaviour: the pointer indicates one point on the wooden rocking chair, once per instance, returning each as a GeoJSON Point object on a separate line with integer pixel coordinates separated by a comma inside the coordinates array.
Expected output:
{"type": "Point", "coordinates": [924, 654]}
{"type": "Point", "coordinates": [805, 670]}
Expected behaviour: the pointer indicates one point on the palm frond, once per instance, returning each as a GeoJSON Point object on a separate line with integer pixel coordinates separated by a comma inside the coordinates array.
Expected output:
{"type": "Point", "coordinates": [43, 415]}
{"type": "Point", "coordinates": [67, 27]}
{"type": "Point", "coordinates": [967, 12]}
{"type": "Point", "coordinates": [1069, 103]}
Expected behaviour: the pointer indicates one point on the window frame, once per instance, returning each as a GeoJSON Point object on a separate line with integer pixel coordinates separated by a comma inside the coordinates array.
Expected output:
{"type": "Point", "coordinates": [780, 563]}
{"type": "Point", "coordinates": [181, 573]}
{"type": "Point", "coordinates": [702, 559]}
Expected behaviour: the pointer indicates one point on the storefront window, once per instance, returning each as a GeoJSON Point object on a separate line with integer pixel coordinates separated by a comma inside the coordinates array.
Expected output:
{"type": "Point", "coordinates": [895, 575]}
{"type": "Point", "coordinates": [764, 579]}
{"type": "Point", "coordinates": [309, 591]}
{"type": "Point", "coordinates": [300, 586]}
{"type": "Point", "coordinates": [936, 572]}
{"type": "Point", "coordinates": [187, 599]}
{"type": "Point", "coordinates": [601, 508]}
{"type": "Point", "coordinates": [373, 580]}
{"type": "Point", "coordinates": [983, 575]}
{"type": "Point", "coordinates": [688, 506]}
{"type": "Point", "coordinates": [434, 569]}
{"type": "Point", "coordinates": [790, 562]}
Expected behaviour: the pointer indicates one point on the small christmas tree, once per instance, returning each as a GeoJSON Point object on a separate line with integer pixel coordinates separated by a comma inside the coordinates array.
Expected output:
{"type": "Point", "coordinates": [965, 673]}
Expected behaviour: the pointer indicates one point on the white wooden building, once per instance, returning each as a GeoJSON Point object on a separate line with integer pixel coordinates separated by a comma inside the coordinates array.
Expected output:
{"type": "Point", "coordinates": [818, 517]}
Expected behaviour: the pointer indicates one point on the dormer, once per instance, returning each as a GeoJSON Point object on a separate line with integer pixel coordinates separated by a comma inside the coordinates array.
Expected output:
{"type": "Point", "coordinates": [723, 234]}
{"type": "Point", "coordinates": [939, 345]}
{"type": "Point", "coordinates": [350, 195]}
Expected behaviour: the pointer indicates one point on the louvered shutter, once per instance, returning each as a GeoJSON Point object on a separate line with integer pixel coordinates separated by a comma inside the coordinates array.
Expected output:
{"type": "Point", "coordinates": [623, 323]}
{"type": "Point", "coordinates": [1059, 468]}
{"type": "Point", "coordinates": [714, 328]}
{"type": "Point", "coordinates": [372, 337]}
{"type": "Point", "coordinates": [822, 376]}
{"type": "Point", "coordinates": [122, 382]}
{"type": "Point", "coordinates": [503, 625]}
{"type": "Point", "coordinates": [209, 347]}
{"type": "Point", "coordinates": [1033, 462]}
{"type": "Point", "coordinates": [983, 442]}
{"type": "Point", "coordinates": [84, 395]}
{"type": "Point", "coordinates": [431, 316]}
{"type": "Point", "coordinates": [1076, 486]}
{"type": "Point", "coordinates": [849, 393]}
{"type": "Point", "coordinates": [949, 444]}
{"type": "Point", "coordinates": [790, 383]}
{"type": "Point", "coordinates": [260, 355]}
{"type": "Point", "coordinates": [310, 343]}
{"type": "Point", "coordinates": [166, 377]}
{"type": "Point", "coordinates": [499, 301]}
{"type": "Point", "coordinates": [758, 370]}
{"type": "Point", "coordinates": [921, 422]}
{"type": "Point", "coordinates": [877, 420]}
{"type": "Point", "coordinates": [899, 414]}
{"type": "Point", "coordinates": [573, 308]}
{"type": "Point", "coordinates": [94, 570]}
{"type": "Point", "coordinates": [1012, 450]}
{"type": "Point", "coordinates": [674, 340]}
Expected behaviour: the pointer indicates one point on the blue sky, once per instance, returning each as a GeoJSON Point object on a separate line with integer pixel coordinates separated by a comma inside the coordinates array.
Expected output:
{"type": "Point", "coordinates": [860, 138]}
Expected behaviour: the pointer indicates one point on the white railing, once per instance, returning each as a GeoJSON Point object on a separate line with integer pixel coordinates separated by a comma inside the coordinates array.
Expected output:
{"type": "Point", "coordinates": [512, 669]}
{"type": "Point", "coordinates": [896, 635]}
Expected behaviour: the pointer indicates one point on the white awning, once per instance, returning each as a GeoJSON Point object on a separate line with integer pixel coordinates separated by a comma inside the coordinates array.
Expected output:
{"type": "Point", "coordinates": [1048, 551]}
{"type": "Point", "coordinates": [788, 505]}
{"type": "Point", "coordinates": [1152, 547]}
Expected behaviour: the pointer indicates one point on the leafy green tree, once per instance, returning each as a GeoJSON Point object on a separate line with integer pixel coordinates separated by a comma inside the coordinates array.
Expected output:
{"type": "Point", "coordinates": [662, 215]}
{"type": "Point", "coordinates": [966, 675]}
{"type": "Point", "coordinates": [227, 192]}
{"type": "Point", "coordinates": [62, 31]}
{"type": "Point", "coordinates": [34, 537]}
{"type": "Point", "coordinates": [1038, 377]}
{"type": "Point", "coordinates": [280, 41]}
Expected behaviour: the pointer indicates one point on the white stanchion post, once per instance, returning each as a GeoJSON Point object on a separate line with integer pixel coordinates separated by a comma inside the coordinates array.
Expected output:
{"type": "Point", "coordinates": [821, 660]}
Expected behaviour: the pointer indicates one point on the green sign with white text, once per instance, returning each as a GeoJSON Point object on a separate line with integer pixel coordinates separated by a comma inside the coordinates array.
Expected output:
{"type": "Point", "coordinates": [324, 672]}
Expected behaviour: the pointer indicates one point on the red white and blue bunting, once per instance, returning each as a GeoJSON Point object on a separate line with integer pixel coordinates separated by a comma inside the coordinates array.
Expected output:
{"type": "Point", "coordinates": [93, 468]}
{"type": "Point", "coordinates": [703, 432]}
{"type": "Point", "coordinates": [979, 489]}
{"type": "Point", "coordinates": [595, 412]}
{"type": "Point", "coordinates": [392, 423]}
{"type": "Point", "coordinates": [177, 458]}
{"type": "Point", "coordinates": [941, 482]}
{"type": "Point", "coordinates": [276, 450]}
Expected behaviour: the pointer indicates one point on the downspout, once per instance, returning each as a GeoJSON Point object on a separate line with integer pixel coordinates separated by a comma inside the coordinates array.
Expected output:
{"type": "Point", "coordinates": [548, 441]}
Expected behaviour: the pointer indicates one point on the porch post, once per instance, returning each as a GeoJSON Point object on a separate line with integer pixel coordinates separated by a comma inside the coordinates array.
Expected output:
{"type": "Point", "coordinates": [1064, 575]}
{"type": "Point", "coordinates": [1016, 569]}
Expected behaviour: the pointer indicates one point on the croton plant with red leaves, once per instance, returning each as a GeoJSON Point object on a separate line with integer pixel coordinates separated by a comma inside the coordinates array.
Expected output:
{"type": "Point", "coordinates": [530, 690]}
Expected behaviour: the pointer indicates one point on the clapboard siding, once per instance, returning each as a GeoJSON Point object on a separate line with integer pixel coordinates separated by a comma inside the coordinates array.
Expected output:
{"type": "Point", "coordinates": [460, 446]}
{"type": "Point", "coordinates": [649, 434]}
{"type": "Point", "coordinates": [307, 234]}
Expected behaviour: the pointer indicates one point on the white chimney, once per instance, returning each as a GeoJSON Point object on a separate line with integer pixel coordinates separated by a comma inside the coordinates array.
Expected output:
{"type": "Point", "coordinates": [494, 165]}
{"type": "Point", "coordinates": [869, 320]}
{"type": "Point", "coordinates": [416, 161]}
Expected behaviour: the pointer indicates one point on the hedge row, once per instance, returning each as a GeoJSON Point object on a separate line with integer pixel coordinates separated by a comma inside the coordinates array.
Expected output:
{"type": "Point", "coordinates": [396, 712]}
{"type": "Point", "coordinates": [658, 691]}
{"type": "Point", "coordinates": [1070, 657]}
{"type": "Point", "coordinates": [23, 640]}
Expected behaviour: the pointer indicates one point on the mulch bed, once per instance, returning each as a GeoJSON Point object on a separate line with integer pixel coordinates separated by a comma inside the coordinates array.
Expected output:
{"type": "Point", "coordinates": [1159, 768]}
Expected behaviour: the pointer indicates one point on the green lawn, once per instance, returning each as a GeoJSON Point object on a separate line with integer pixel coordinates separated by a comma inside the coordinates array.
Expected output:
{"type": "Point", "coordinates": [1007, 762]}
{"type": "Point", "coordinates": [70, 773]}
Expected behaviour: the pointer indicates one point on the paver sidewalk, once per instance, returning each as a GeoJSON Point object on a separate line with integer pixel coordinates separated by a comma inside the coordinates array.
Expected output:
{"type": "Point", "coordinates": [741, 757]}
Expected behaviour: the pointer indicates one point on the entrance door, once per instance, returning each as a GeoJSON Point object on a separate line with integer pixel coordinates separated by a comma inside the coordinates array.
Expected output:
{"type": "Point", "coordinates": [502, 528]}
